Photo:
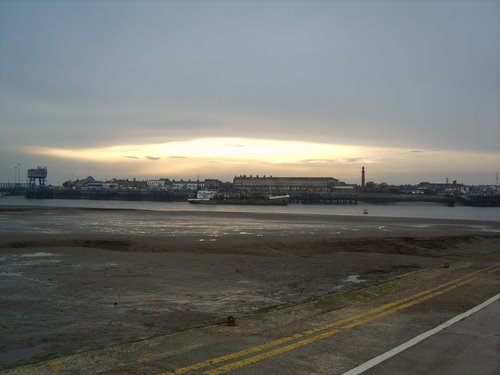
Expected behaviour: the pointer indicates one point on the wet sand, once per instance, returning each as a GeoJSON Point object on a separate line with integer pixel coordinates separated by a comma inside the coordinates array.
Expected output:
{"type": "Point", "coordinates": [71, 292]}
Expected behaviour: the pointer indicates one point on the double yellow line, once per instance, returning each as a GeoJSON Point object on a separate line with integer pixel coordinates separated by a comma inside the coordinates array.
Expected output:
{"type": "Point", "coordinates": [277, 347]}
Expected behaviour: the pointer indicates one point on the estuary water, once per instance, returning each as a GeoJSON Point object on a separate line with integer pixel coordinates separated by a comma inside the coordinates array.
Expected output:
{"type": "Point", "coordinates": [409, 210]}
{"type": "Point", "coordinates": [180, 219]}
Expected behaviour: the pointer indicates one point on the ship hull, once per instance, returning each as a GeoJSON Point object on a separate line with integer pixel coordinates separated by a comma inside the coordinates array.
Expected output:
{"type": "Point", "coordinates": [272, 201]}
{"type": "Point", "coordinates": [491, 200]}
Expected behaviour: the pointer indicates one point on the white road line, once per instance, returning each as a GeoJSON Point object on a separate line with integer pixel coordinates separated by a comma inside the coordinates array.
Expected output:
{"type": "Point", "coordinates": [391, 353]}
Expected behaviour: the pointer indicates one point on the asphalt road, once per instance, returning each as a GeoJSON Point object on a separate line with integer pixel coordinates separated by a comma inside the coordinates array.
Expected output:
{"type": "Point", "coordinates": [470, 346]}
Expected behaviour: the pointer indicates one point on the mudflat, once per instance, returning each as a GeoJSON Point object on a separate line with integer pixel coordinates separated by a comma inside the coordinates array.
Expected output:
{"type": "Point", "coordinates": [80, 288]}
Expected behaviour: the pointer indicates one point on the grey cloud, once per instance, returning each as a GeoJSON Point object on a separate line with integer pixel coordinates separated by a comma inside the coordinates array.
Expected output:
{"type": "Point", "coordinates": [358, 73]}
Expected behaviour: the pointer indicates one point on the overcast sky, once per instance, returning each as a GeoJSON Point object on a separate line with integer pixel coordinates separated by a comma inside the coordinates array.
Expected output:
{"type": "Point", "coordinates": [181, 89]}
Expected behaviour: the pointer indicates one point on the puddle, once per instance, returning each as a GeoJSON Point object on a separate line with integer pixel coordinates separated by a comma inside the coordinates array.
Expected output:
{"type": "Point", "coordinates": [11, 274]}
{"type": "Point", "coordinates": [39, 254]}
{"type": "Point", "coordinates": [383, 228]}
{"type": "Point", "coordinates": [23, 353]}
{"type": "Point", "coordinates": [39, 262]}
{"type": "Point", "coordinates": [353, 279]}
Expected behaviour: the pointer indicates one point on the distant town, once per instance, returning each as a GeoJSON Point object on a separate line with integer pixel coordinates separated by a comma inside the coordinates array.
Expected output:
{"type": "Point", "coordinates": [277, 185]}
{"type": "Point", "coordinates": [299, 189]}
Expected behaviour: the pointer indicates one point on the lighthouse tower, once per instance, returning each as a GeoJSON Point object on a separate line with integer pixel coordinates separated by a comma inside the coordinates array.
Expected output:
{"type": "Point", "coordinates": [363, 177]}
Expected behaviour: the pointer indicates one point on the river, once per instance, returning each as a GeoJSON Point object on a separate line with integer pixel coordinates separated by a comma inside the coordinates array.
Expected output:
{"type": "Point", "coordinates": [410, 210]}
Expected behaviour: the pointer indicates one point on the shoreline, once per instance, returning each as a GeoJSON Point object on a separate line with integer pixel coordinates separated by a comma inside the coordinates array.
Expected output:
{"type": "Point", "coordinates": [255, 215]}
{"type": "Point", "coordinates": [94, 289]}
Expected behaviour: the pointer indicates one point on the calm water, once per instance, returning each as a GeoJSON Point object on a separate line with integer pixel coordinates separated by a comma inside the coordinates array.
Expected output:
{"type": "Point", "coordinates": [414, 210]}
{"type": "Point", "coordinates": [148, 220]}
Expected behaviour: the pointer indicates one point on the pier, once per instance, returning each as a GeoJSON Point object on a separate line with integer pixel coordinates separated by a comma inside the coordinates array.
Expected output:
{"type": "Point", "coordinates": [123, 195]}
{"type": "Point", "coordinates": [323, 198]}
{"type": "Point", "coordinates": [327, 198]}
{"type": "Point", "coordinates": [14, 188]}
{"type": "Point", "coordinates": [354, 198]}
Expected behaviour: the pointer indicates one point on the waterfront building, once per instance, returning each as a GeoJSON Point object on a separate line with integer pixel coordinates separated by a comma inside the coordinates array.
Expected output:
{"type": "Point", "coordinates": [442, 188]}
{"type": "Point", "coordinates": [126, 184]}
{"type": "Point", "coordinates": [156, 184]}
{"type": "Point", "coordinates": [284, 184]}
{"type": "Point", "coordinates": [95, 186]}
{"type": "Point", "coordinates": [187, 185]}
{"type": "Point", "coordinates": [182, 185]}
{"type": "Point", "coordinates": [212, 184]}
{"type": "Point", "coordinates": [80, 184]}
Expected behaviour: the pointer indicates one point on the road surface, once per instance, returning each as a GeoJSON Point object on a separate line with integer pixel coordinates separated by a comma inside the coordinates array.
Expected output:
{"type": "Point", "coordinates": [326, 335]}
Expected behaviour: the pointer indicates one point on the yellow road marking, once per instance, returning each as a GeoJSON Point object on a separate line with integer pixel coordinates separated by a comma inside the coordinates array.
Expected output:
{"type": "Point", "coordinates": [321, 336]}
{"type": "Point", "coordinates": [372, 315]}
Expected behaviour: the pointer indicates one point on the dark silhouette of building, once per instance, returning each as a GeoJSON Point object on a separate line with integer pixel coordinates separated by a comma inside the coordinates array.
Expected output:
{"type": "Point", "coordinates": [363, 177]}
{"type": "Point", "coordinates": [39, 174]}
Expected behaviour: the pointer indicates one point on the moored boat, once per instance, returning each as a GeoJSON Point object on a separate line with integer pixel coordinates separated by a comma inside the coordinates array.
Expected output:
{"type": "Point", "coordinates": [206, 197]}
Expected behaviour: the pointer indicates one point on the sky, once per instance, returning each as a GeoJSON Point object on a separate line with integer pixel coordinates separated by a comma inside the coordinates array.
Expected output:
{"type": "Point", "coordinates": [215, 89]}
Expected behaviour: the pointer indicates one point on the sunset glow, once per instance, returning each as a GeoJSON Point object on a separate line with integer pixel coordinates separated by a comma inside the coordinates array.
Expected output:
{"type": "Point", "coordinates": [230, 156]}
{"type": "Point", "coordinates": [221, 149]}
